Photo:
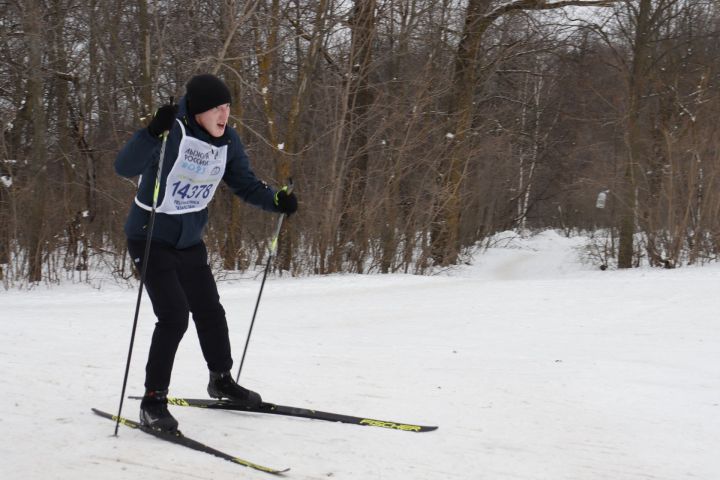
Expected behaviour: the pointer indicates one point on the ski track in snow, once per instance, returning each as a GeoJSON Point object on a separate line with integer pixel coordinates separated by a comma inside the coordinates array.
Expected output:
{"type": "Point", "coordinates": [534, 366]}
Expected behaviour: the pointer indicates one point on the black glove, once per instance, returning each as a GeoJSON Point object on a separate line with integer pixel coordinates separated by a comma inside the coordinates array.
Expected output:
{"type": "Point", "coordinates": [286, 202]}
{"type": "Point", "coordinates": [163, 120]}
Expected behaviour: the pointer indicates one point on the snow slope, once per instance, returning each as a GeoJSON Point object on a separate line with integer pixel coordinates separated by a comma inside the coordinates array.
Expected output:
{"type": "Point", "coordinates": [533, 365]}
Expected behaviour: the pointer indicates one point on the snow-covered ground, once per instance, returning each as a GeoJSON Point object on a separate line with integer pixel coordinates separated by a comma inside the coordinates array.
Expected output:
{"type": "Point", "coordinates": [533, 365]}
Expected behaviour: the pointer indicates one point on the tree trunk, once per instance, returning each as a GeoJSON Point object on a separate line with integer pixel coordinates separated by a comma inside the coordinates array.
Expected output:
{"type": "Point", "coordinates": [298, 102]}
{"type": "Point", "coordinates": [637, 88]}
{"type": "Point", "coordinates": [146, 86]}
{"type": "Point", "coordinates": [35, 236]}
{"type": "Point", "coordinates": [445, 230]}
{"type": "Point", "coordinates": [353, 228]}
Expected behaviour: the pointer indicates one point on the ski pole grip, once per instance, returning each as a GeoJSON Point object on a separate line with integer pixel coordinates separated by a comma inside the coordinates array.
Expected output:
{"type": "Point", "coordinates": [167, 132]}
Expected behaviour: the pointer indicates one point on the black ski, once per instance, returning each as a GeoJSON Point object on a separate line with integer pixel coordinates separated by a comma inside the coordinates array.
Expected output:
{"type": "Point", "coordinates": [180, 439]}
{"type": "Point", "coordinates": [274, 409]}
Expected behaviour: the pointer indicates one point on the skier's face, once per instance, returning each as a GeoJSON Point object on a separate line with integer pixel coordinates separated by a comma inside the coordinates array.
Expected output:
{"type": "Point", "coordinates": [214, 120]}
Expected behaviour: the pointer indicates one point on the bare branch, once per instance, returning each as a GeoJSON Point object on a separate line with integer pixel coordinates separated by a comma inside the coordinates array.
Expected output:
{"type": "Point", "coordinates": [517, 5]}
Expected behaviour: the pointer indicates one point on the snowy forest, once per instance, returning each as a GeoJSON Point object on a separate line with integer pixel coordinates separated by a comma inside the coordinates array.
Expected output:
{"type": "Point", "coordinates": [412, 129]}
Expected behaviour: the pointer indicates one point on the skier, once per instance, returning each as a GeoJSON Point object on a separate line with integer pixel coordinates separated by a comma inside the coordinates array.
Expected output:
{"type": "Point", "coordinates": [201, 150]}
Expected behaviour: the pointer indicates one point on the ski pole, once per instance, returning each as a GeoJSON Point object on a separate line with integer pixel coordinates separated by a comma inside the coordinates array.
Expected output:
{"type": "Point", "coordinates": [271, 255]}
{"type": "Point", "coordinates": [143, 273]}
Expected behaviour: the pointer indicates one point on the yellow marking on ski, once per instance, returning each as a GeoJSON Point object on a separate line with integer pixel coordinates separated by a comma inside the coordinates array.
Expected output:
{"type": "Point", "coordinates": [124, 421]}
{"type": "Point", "coordinates": [392, 425]}
{"type": "Point", "coordinates": [177, 401]}
{"type": "Point", "coordinates": [254, 465]}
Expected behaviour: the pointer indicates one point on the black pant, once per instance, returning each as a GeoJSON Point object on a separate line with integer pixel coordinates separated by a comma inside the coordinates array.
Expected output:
{"type": "Point", "coordinates": [179, 282]}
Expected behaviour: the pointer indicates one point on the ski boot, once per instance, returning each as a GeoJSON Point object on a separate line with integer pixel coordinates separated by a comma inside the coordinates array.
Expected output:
{"type": "Point", "coordinates": [222, 385]}
{"type": "Point", "coordinates": [154, 412]}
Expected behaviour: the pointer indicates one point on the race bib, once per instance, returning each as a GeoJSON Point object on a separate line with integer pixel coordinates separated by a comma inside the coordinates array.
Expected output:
{"type": "Point", "coordinates": [192, 182]}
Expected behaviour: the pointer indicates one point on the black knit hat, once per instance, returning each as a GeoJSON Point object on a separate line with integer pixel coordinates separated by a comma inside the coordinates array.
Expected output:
{"type": "Point", "coordinates": [205, 92]}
